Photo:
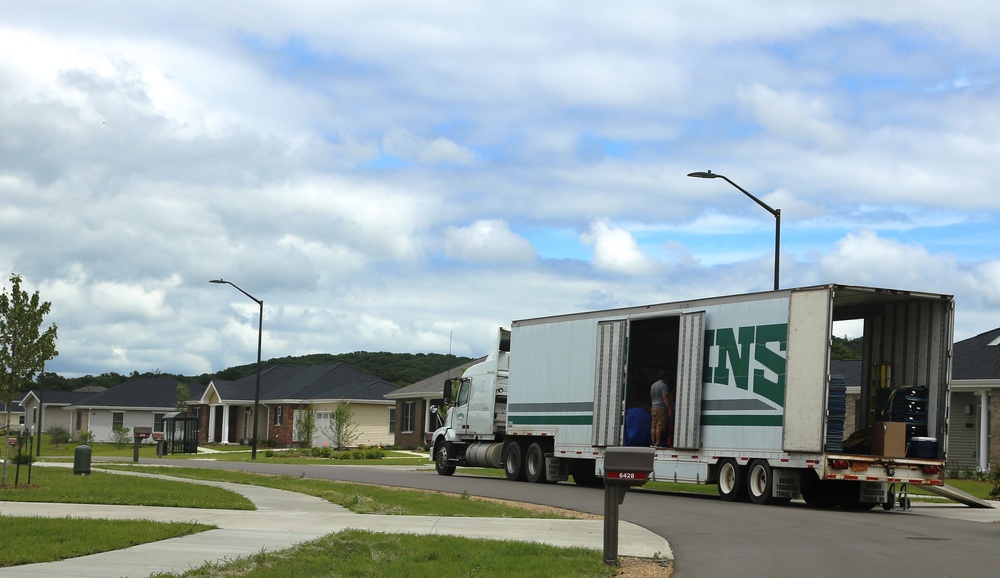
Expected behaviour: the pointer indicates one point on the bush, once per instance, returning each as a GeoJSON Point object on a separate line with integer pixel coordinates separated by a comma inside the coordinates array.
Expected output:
{"type": "Point", "coordinates": [120, 436]}
{"type": "Point", "coordinates": [23, 459]}
{"type": "Point", "coordinates": [58, 435]}
{"type": "Point", "coordinates": [86, 437]}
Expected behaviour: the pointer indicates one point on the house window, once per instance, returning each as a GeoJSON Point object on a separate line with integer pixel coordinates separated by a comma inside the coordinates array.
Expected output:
{"type": "Point", "coordinates": [117, 419]}
{"type": "Point", "coordinates": [158, 422]}
{"type": "Point", "coordinates": [409, 416]}
{"type": "Point", "coordinates": [392, 420]}
{"type": "Point", "coordinates": [278, 414]}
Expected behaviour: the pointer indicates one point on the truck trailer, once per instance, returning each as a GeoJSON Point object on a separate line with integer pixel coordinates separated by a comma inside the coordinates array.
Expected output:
{"type": "Point", "coordinates": [756, 409]}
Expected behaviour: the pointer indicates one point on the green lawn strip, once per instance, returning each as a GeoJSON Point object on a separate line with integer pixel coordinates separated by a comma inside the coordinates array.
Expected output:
{"type": "Point", "coordinates": [980, 490]}
{"type": "Point", "coordinates": [362, 498]}
{"type": "Point", "coordinates": [27, 540]}
{"type": "Point", "coordinates": [373, 555]}
{"type": "Point", "coordinates": [60, 485]}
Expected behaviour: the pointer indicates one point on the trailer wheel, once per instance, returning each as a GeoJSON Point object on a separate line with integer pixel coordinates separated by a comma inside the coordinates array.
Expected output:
{"type": "Point", "coordinates": [760, 483]}
{"type": "Point", "coordinates": [513, 462]}
{"type": "Point", "coordinates": [584, 475]}
{"type": "Point", "coordinates": [731, 485]}
{"type": "Point", "coordinates": [441, 463]}
{"type": "Point", "coordinates": [534, 464]}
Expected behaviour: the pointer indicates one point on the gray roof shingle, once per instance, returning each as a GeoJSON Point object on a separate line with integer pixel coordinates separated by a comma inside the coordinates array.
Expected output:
{"type": "Point", "coordinates": [313, 382]}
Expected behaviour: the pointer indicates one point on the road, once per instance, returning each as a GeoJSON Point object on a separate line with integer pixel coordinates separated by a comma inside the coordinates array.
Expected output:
{"type": "Point", "coordinates": [711, 538]}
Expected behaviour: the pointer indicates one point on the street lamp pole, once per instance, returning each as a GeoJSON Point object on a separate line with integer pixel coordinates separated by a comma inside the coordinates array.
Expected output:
{"type": "Point", "coordinates": [260, 336]}
{"type": "Point", "coordinates": [775, 212]}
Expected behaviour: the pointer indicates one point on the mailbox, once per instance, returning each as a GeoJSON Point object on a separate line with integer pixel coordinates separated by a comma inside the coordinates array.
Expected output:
{"type": "Point", "coordinates": [628, 466]}
{"type": "Point", "coordinates": [142, 432]}
{"type": "Point", "coordinates": [623, 468]}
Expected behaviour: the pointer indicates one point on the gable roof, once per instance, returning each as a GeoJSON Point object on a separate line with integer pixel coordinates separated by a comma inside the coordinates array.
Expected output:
{"type": "Point", "coordinates": [849, 369]}
{"type": "Point", "coordinates": [433, 386]}
{"type": "Point", "coordinates": [332, 381]}
{"type": "Point", "coordinates": [58, 398]}
{"type": "Point", "coordinates": [977, 357]}
{"type": "Point", "coordinates": [147, 391]}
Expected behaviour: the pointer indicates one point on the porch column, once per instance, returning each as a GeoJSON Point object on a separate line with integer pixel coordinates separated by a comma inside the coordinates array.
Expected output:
{"type": "Point", "coordinates": [983, 447]}
{"type": "Point", "coordinates": [225, 425]}
{"type": "Point", "coordinates": [211, 423]}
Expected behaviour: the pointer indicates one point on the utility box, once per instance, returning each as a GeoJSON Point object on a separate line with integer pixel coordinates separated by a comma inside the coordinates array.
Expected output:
{"type": "Point", "coordinates": [81, 460]}
{"type": "Point", "coordinates": [628, 466]}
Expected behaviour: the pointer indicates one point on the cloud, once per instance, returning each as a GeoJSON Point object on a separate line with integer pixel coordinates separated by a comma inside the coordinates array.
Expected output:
{"type": "Point", "coordinates": [616, 251]}
{"type": "Point", "coordinates": [487, 241]}
{"type": "Point", "coordinates": [404, 145]}
{"type": "Point", "coordinates": [795, 116]}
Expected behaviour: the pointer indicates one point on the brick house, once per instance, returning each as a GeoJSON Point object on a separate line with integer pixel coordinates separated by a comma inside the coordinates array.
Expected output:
{"type": "Point", "coordinates": [226, 408]}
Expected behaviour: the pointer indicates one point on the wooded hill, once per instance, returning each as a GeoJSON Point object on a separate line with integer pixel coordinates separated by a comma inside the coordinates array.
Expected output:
{"type": "Point", "coordinates": [398, 368]}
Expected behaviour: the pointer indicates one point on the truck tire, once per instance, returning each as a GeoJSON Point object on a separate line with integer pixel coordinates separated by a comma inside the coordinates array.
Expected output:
{"type": "Point", "coordinates": [441, 463]}
{"type": "Point", "coordinates": [584, 474]}
{"type": "Point", "coordinates": [732, 487]}
{"type": "Point", "coordinates": [760, 484]}
{"type": "Point", "coordinates": [513, 462]}
{"type": "Point", "coordinates": [534, 464]}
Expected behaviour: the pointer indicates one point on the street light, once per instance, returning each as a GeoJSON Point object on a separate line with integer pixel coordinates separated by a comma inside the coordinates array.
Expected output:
{"type": "Point", "coordinates": [260, 334]}
{"type": "Point", "coordinates": [775, 212]}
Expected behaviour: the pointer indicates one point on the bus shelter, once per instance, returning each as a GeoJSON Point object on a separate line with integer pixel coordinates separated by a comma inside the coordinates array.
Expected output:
{"type": "Point", "coordinates": [180, 433]}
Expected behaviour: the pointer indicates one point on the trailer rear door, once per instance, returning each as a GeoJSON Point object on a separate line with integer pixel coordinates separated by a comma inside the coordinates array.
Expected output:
{"type": "Point", "coordinates": [612, 348]}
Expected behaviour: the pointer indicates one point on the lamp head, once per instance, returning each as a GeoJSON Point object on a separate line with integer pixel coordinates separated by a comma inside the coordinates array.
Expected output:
{"type": "Point", "coordinates": [218, 281]}
{"type": "Point", "coordinates": [705, 175]}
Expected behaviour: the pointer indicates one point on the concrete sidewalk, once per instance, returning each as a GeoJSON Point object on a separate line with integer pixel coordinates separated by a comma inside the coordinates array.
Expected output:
{"type": "Point", "coordinates": [283, 519]}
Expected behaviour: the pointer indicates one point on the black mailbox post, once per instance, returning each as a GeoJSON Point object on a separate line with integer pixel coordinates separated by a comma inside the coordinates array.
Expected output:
{"type": "Point", "coordinates": [623, 468]}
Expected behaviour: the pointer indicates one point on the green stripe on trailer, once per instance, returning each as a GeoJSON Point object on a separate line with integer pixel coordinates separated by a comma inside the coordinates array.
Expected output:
{"type": "Point", "coordinates": [742, 420]}
{"type": "Point", "coordinates": [551, 419]}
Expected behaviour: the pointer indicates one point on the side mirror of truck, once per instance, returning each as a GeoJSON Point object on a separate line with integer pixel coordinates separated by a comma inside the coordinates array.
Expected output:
{"type": "Point", "coordinates": [447, 391]}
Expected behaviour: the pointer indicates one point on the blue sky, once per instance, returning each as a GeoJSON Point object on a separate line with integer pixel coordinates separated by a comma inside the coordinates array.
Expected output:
{"type": "Point", "coordinates": [409, 176]}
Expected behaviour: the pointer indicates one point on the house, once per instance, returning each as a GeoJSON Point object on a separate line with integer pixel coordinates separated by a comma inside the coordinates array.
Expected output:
{"type": "Point", "coordinates": [53, 404]}
{"type": "Point", "coordinates": [16, 415]}
{"type": "Point", "coordinates": [974, 424]}
{"type": "Point", "coordinates": [285, 393]}
{"type": "Point", "coordinates": [139, 402]}
{"type": "Point", "coordinates": [413, 419]}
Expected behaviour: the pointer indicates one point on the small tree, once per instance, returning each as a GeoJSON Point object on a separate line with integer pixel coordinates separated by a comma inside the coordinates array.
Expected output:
{"type": "Point", "coordinates": [58, 435]}
{"type": "Point", "coordinates": [24, 347]}
{"type": "Point", "coordinates": [342, 431]}
{"type": "Point", "coordinates": [120, 436]}
{"type": "Point", "coordinates": [305, 424]}
{"type": "Point", "coordinates": [183, 393]}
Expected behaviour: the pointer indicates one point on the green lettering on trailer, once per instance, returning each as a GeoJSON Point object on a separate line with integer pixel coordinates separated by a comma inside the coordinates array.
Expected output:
{"type": "Point", "coordinates": [737, 347]}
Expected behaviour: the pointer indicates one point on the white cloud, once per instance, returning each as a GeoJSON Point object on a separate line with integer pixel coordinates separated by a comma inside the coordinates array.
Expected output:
{"type": "Point", "coordinates": [487, 241]}
{"type": "Point", "coordinates": [616, 251]}
{"type": "Point", "coordinates": [794, 116]}
{"type": "Point", "coordinates": [402, 144]}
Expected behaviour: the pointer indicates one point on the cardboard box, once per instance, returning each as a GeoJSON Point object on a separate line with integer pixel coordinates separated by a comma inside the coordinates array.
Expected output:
{"type": "Point", "coordinates": [889, 439]}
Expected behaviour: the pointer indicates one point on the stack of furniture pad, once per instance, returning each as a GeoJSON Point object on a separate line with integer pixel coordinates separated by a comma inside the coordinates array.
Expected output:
{"type": "Point", "coordinates": [904, 404]}
{"type": "Point", "coordinates": [836, 407]}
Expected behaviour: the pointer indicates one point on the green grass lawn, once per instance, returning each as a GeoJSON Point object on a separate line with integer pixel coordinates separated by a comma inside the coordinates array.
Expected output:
{"type": "Point", "coordinates": [360, 498]}
{"type": "Point", "coordinates": [358, 553]}
{"type": "Point", "coordinates": [31, 540]}
{"type": "Point", "coordinates": [60, 485]}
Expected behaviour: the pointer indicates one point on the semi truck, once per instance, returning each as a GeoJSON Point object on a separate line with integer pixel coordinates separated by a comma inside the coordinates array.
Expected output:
{"type": "Point", "coordinates": [756, 411]}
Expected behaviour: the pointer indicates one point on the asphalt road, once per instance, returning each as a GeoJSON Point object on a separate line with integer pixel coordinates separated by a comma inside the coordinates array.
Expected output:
{"type": "Point", "coordinates": [711, 538]}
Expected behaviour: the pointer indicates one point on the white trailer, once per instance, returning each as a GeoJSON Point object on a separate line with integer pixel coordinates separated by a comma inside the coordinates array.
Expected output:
{"type": "Point", "coordinates": [755, 411]}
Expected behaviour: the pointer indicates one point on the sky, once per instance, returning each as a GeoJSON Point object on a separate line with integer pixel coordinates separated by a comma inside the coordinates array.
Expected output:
{"type": "Point", "coordinates": [409, 176]}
